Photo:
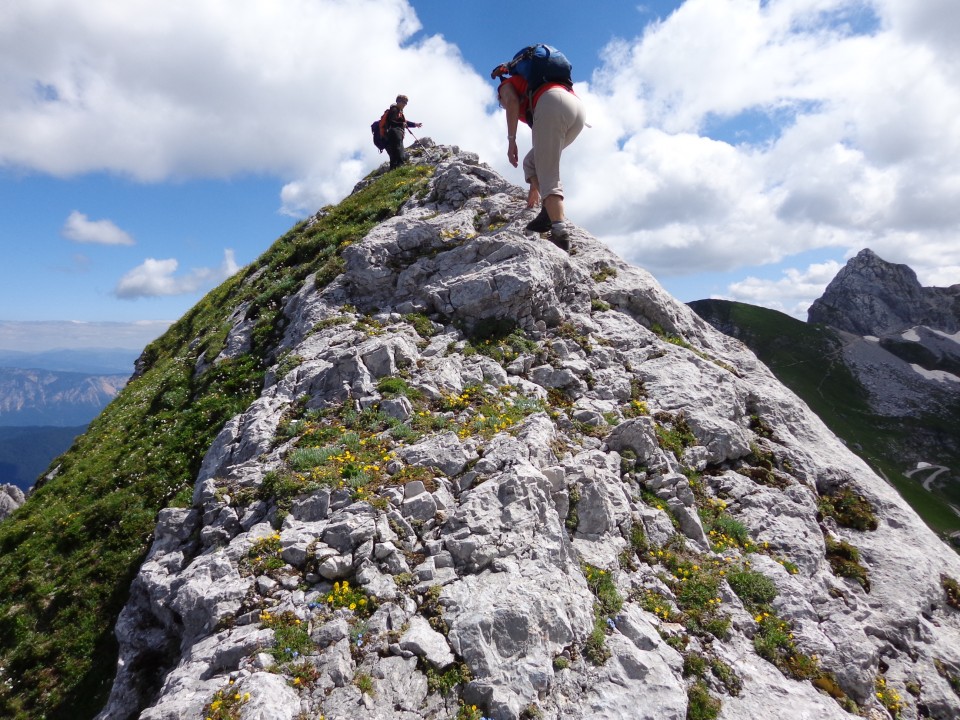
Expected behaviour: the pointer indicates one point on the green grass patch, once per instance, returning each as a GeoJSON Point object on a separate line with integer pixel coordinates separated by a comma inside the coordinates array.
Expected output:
{"type": "Point", "coordinates": [394, 386]}
{"type": "Point", "coordinates": [226, 704]}
{"type": "Point", "coordinates": [363, 681]}
{"type": "Point", "coordinates": [844, 560]}
{"type": "Point", "coordinates": [290, 634]}
{"type": "Point", "coordinates": [263, 556]}
{"type": "Point", "coordinates": [638, 540]}
{"type": "Point", "coordinates": [572, 521]}
{"type": "Point", "coordinates": [468, 712]}
{"type": "Point", "coordinates": [753, 588]}
{"type": "Point", "coordinates": [888, 697]}
{"type": "Point", "coordinates": [605, 272]}
{"type": "Point", "coordinates": [675, 435]}
{"type": "Point", "coordinates": [695, 584]}
{"type": "Point", "coordinates": [774, 642]}
{"type": "Point", "coordinates": [601, 584]}
{"type": "Point", "coordinates": [701, 705]}
{"type": "Point", "coordinates": [952, 590]}
{"type": "Point", "coordinates": [501, 340]}
{"type": "Point", "coordinates": [848, 508]}
{"type": "Point", "coordinates": [422, 324]}
{"type": "Point", "coordinates": [484, 413]}
{"type": "Point", "coordinates": [595, 649]}
{"type": "Point", "coordinates": [344, 595]}
{"type": "Point", "coordinates": [443, 683]}
{"type": "Point", "coordinates": [723, 529]}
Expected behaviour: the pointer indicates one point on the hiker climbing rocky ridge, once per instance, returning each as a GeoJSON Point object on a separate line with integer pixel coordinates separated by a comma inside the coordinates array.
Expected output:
{"type": "Point", "coordinates": [485, 477]}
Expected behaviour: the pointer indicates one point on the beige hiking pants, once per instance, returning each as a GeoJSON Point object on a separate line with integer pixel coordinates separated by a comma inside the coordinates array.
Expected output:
{"type": "Point", "coordinates": [558, 119]}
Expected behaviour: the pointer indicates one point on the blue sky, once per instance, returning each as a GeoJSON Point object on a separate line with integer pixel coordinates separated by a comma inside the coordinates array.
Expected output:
{"type": "Point", "coordinates": [738, 149]}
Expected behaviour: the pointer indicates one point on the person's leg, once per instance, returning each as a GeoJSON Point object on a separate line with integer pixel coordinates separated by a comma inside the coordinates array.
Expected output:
{"type": "Point", "coordinates": [561, 118]}
{"type": "Point", "coordinates": [541, 223]}
{"type": "Point", "coordinates": [557, 122]}
{"type": "Point", "coordinates": [553, 204]}
{"type": "Point", "coordinates": [395, 147]}
{"type": "Point", "coordinates": [394, 157]}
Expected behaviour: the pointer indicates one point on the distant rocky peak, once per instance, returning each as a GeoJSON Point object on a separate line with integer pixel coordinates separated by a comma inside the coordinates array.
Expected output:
{"type": "Point", "coordinates": [870, 296]}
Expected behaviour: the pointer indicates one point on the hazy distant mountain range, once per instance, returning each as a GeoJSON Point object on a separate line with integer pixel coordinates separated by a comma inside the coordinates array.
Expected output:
{"type": "Point", "coordinates": [93, 361]}
{"type": "Point", "coordinates": [58, 399]}
{"type": "Point", "coordinates": [47, 399]}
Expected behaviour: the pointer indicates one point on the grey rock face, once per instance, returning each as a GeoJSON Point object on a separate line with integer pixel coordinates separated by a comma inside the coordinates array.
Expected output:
{"type": "Point", "coordinates": [870, 296]}
{"type": "Point", "coordinates": [573, 522]}
{"type": "Point", "coordinates": [11, 497]}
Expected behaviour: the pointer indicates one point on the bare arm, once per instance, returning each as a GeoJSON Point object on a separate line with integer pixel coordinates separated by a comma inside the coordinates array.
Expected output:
{"type": "Point", "coordinates": [510, 101]}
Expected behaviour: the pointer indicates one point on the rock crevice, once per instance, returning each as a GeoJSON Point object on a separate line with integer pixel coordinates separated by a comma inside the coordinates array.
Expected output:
{"type": "Point", "coordinates": [506, 481]}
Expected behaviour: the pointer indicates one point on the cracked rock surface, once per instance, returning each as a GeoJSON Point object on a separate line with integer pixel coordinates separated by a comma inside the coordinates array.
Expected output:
{"type": "Point", "coordinates": [506, 481]}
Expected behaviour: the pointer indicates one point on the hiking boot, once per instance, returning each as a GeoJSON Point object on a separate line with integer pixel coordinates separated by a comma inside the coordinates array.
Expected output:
{"type": "Point", "coordinates": [541, 223]}
{"type": "Point", "coordinates": [560, 235]}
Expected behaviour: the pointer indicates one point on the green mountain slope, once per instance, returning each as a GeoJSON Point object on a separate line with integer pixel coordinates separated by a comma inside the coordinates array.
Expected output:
{"type": "Point", "coordinates": [809, 360]}
{"type": "Point", "coordinates": [67, 557]}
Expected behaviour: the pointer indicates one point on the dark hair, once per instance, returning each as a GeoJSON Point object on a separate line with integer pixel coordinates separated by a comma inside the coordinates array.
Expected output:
{"type": "Point", "coordinates": [402, 99]}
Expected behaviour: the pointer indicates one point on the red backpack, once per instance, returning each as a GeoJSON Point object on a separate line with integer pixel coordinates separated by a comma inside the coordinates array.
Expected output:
{"type": "Point", "coordinates": [378, 128]}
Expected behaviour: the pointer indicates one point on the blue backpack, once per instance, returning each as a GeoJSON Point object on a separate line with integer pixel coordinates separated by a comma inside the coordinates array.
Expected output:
{"type": "Point", "coordinates": [539, 64]}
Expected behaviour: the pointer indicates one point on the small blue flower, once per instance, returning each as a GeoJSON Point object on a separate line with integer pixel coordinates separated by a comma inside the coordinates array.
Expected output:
{"type": "Point", "coordinates": [611, 624]}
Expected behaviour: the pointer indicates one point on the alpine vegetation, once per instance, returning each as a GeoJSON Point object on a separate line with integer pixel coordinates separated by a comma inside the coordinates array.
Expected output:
{"type": "Point", "coordinates": [433, 466]}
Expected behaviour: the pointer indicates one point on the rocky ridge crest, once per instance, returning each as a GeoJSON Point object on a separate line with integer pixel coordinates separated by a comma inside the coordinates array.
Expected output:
{"type": "Point", "coordinates": [489, 478]}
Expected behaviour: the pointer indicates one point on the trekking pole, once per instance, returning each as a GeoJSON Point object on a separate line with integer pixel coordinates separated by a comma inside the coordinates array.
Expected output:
{"type": "Point", "coordinates": [422, 146]}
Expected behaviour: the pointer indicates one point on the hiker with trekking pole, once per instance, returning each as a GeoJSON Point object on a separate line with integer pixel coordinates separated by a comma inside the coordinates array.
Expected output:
{"type": "Point", "coordinates": [393, 125]}
{"type": "Point", "coordinates": [536, 88]}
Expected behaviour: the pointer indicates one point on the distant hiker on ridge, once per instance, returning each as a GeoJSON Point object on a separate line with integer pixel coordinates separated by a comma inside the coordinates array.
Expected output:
{"type": "Point", "coordinates": [393, 125]}
{"type": "Point", "coordinates": [536, 88]}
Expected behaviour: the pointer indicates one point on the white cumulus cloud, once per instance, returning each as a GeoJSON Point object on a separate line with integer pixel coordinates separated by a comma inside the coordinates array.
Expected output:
{"type": "Point", "coordinates": [735, 133]}
{"type": "Point", "coordinates": [218, 88]}
{"type": "Point", "coordinates": [730, 134]}
{"type": "Point", "coordinates": [792, 293]}
{"type": "Point", "coordinates": [79, 228]}
{"type": "Point", "coordinates": [154, 278]}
